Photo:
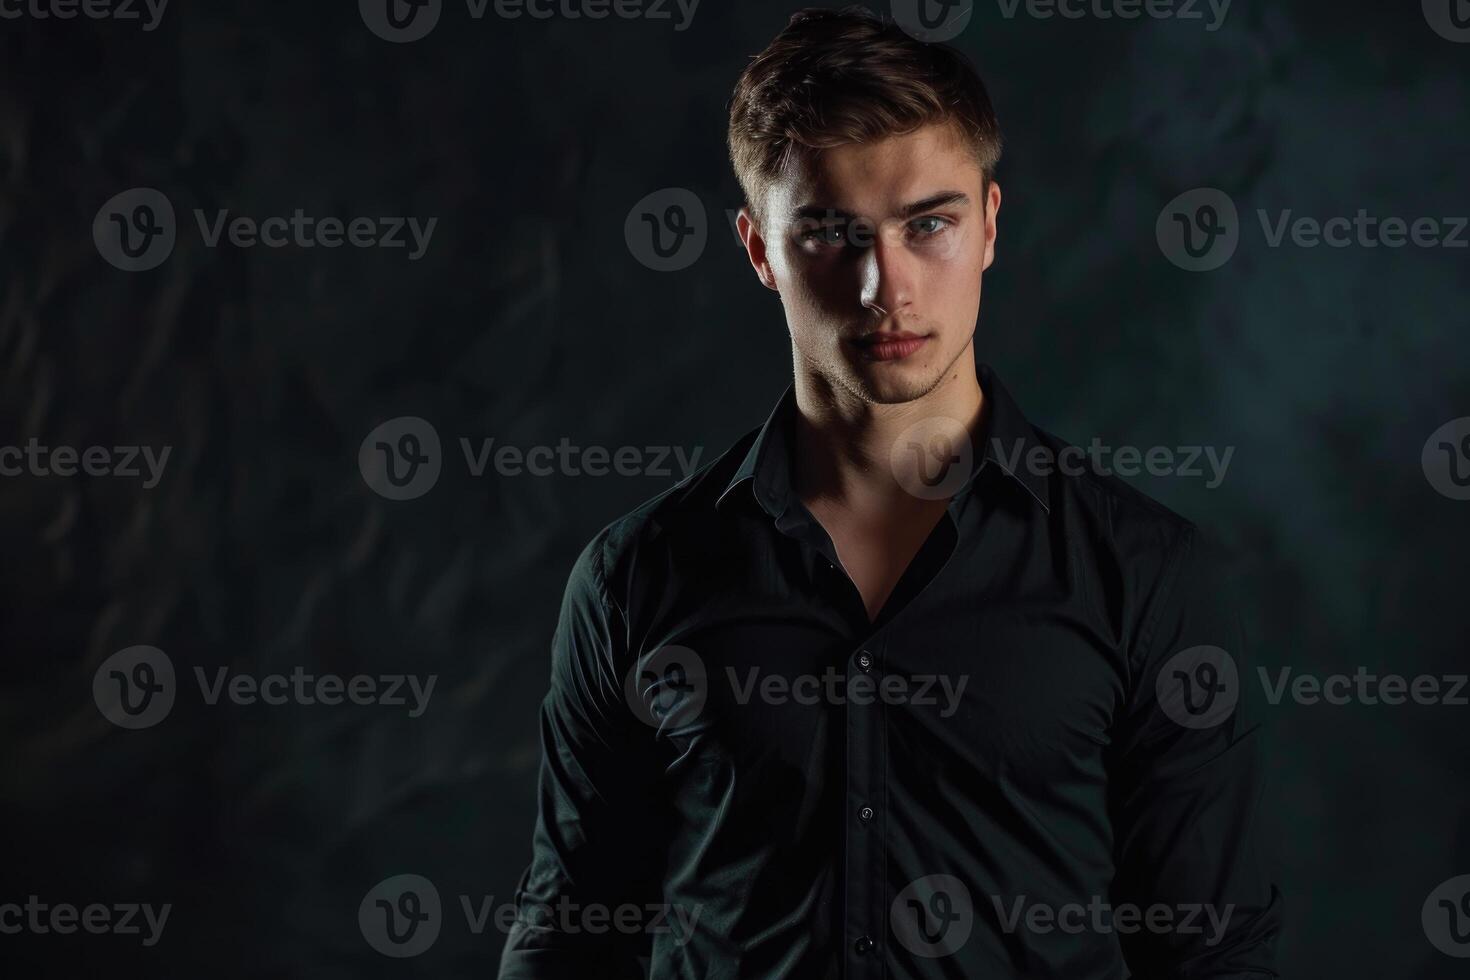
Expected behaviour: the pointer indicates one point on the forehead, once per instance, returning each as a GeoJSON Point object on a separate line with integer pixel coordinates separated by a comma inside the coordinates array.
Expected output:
{"type": "Point", "coordinates": [878, 177]}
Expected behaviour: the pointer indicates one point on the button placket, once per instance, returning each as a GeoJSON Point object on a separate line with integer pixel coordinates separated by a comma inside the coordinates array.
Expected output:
{"type": "Point", "coordinates": [865, 857]}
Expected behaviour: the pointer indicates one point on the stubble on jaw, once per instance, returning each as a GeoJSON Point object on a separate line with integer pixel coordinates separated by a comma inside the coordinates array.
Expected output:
{"type": "Point", "coordinates": [840, 377]}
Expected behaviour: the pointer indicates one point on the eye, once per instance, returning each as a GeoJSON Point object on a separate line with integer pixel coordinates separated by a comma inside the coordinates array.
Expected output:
{"type": "Point", "coordinates": [830, 234]}
{"type": "Point", "coordinates": [930, 225]}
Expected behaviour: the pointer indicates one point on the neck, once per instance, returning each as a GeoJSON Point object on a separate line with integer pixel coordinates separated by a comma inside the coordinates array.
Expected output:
{"type": "Point", "coordinates": [844, 444]}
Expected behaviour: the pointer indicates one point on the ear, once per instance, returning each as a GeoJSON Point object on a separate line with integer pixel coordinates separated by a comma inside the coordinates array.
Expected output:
{"type": "Point", "coordinates": [755, 248]}
{"type": "Point", "coordinates": [992, 205]}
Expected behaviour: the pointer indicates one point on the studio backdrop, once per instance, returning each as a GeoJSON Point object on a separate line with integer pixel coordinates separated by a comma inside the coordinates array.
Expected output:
{"type": "Point", "coordinates": [331, 332]}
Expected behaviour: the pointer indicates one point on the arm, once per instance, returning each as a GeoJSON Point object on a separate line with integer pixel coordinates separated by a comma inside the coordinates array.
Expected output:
{"type": "Point", "coordinates": [596, 844]}
{"type": "Point", "coordinates": [1186, 782]}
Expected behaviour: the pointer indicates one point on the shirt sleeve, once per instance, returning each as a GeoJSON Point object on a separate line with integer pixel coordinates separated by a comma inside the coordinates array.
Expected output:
{"type": "Point", "coordinates": [596, 849]}
{"type": "Point", "coordinates": [1185, 787]}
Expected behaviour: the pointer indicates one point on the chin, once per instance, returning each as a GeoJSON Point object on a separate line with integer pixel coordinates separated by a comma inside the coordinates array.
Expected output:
{"type": "Point", "coordinates": [895, 384]}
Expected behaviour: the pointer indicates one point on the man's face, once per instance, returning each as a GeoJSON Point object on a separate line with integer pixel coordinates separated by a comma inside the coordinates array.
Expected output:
{"type": "Point", "coordinates": [877, 252]}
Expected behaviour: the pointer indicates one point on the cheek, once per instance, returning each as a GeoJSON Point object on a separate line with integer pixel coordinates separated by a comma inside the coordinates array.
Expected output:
{"type": "Point", "coordinates": [969, 254]}
{"type": "Point", "coordinates": [778, 254]}
{"type": "Point", "coordinates": [953, 269]}
{"type": "Point", "coordinates": [815, 281]}
{"type": "Point", "coordinates": [800, 276]}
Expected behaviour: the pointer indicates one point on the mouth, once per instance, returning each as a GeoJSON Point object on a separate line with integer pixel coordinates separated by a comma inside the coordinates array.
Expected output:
{"type": "Point", "coordinates": [890, 345]}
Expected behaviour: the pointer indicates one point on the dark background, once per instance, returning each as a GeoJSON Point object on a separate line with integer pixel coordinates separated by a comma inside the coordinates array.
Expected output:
{"type": "Point", "coordinates": [530, 320]}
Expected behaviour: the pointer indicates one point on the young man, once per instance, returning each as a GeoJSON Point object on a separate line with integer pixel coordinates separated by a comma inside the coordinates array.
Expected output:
{"type": "Point", "coordinates": [876, 694]}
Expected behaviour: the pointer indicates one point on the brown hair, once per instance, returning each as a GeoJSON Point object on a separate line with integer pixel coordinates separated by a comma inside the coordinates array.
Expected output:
{"type": "Point", "coordinates": [834, 77]}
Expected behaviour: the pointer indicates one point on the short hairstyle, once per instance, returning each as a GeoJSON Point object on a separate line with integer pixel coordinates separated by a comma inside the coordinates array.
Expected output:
{"type": "Point", "coordinates": [834, 77]}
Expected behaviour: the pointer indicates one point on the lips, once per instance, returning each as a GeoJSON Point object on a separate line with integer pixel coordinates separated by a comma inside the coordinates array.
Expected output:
{"type": "Point", "coordinates": [890, 345]}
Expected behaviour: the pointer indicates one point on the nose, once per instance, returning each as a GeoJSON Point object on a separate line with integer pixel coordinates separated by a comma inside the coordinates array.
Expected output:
{"type": "Point", "coordinates": [887, 274]}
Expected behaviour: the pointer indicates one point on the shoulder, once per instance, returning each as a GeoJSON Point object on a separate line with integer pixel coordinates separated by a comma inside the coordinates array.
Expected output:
{"type": "Point", "coordinates": [682, 514]}
{"type": "Point", "coordinates": [1143, 557]}
{"type": "Point", "coordinates": [1111, 512]}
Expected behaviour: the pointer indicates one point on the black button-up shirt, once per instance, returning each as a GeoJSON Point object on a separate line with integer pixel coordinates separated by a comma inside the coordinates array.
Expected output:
{"type": "Point", "coordinates": [1033, 763]}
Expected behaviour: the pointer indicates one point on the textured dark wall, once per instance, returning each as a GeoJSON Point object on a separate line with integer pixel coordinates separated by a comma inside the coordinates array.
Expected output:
{"type": "Point", "coordinates": [529, 319]}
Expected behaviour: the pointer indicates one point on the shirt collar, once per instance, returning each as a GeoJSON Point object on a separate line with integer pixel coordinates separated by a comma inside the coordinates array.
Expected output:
{"type": "Point", "coordinates": [1008, 431]}
{"type": "Point", "coordinates": [1007, 436]}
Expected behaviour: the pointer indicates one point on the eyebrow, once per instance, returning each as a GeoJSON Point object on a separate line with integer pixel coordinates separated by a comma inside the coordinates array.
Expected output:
{"type": "Point", "coordinates": [942, 199]}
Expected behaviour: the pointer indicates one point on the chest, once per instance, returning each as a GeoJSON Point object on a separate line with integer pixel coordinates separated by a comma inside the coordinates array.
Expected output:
{"type": "Point", "coordinates": [876, 550]}
{"type": "Point", "coordinates": [982, 669]}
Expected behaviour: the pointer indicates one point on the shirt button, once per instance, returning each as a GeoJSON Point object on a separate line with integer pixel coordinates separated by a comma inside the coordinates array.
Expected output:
{"type": "Point", "coordinates": [865, 661]}
{"type": "Point", "coordinates": [865, 814]}
{"type": "Point", "coordinates": [864, 946]}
